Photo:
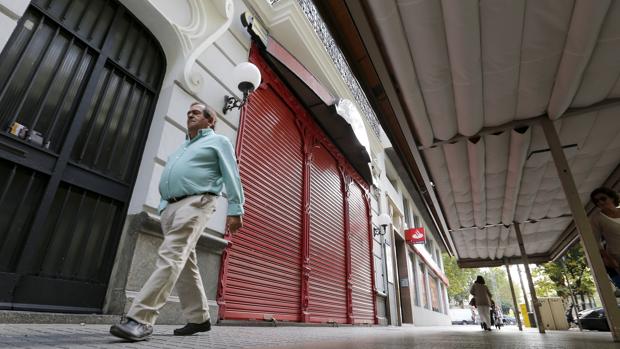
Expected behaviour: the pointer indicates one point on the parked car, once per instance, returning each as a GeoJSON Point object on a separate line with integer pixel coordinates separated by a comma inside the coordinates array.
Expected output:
{"type": "Point", "coordinates": [509, 320]}
{"type": "Point", "coordinates": [594, 319]}
{"type": "Point", "coordinates": [462, 316]}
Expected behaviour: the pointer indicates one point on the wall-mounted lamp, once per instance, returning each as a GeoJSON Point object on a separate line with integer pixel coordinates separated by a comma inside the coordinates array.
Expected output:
{"type": "Point", "coordinates": [247, 78]}
{"type": "Point", "coordinates": [384, 220]}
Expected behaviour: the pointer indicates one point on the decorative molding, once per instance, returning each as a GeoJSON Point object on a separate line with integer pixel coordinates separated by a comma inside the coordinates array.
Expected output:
{"type": "Point", "coordinates": [288, 14]}
{"type": "Point", "coordinates": [375, 192]}
{"type": "Point", "coordinates": [200, 33]}
{"type": "Point", "coordinates": [272, 3]}
{"type": "Point", "coordinates": [10, 13]}
{"type": "Point", "coordinates": [340, 62]}
{"type": "Point", "coordinates": [196, 28]}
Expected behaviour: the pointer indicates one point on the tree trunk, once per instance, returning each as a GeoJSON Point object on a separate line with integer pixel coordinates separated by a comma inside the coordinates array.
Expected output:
{"type": "Point", "coordinates": [592, 301]}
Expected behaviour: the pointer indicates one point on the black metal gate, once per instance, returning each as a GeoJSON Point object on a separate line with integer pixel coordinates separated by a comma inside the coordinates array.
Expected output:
{"type": "Point", "coordinates": [78, 84]}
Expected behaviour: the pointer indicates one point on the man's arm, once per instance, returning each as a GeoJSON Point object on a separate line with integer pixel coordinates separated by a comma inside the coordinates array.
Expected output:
{"type": "Point", "coordinates": [232, 181]}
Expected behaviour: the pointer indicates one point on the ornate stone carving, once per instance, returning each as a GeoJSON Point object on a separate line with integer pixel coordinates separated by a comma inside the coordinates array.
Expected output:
{"type": "Point", "coordinates": [204, 28]}
{"type": "Point", "coordinates": [338, 58]}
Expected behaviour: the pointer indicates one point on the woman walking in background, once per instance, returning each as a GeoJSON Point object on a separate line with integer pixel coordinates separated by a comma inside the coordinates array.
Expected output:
{"type": "Point", "coordinates": [483, 301]}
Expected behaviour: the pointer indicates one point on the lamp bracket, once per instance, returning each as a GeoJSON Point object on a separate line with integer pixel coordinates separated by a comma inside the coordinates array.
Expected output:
{"type": "Point", "coordinates": [379, 231]}
{"type": "Point", "coordinates": [232, 102]}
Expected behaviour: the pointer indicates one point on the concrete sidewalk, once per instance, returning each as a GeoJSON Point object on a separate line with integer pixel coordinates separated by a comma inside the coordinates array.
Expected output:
{"type": "Point", "coordinates": [96, 336]}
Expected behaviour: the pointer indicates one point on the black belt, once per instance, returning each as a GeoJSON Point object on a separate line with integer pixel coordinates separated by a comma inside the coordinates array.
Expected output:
{"type": "Point", "coordinates": [172, 200]}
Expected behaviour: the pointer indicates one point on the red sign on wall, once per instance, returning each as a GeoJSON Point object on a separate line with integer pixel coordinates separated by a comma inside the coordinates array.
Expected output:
{"type": "Point", "coordinates": [415, 236]}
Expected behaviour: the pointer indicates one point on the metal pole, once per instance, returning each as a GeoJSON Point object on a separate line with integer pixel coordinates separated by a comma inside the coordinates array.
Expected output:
{"type": "Point", "coordinates": [514, 297]}
{"type": "Point", "coordinates": [386, 284]}
{"type": "Point", "coordinates": [527, 304]}
{"type": "Point", "coordinates": [526, 264]}
{"type": "Point", "coordinates": [498, 298]}
{"type": "Point", "coordinates": [590, 245]}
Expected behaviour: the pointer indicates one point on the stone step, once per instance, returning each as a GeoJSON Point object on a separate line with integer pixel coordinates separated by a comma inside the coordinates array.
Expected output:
{"type": "Point", "coordinates": [31, 317]}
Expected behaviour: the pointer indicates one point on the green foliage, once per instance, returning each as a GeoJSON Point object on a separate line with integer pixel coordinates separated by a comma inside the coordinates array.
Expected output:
{"type": "Point", "coordinates": [544, 284]}
{"type": "Point", "coordinates": [497, 282]}
{"type": "Point", "coordinates": [554, 278]}
{"type": "Point", "coordinates": [460, 280]}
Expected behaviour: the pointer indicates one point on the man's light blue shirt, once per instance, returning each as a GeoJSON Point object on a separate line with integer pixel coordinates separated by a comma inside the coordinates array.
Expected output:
{"type": "Point", "coordinates": [203, 165]}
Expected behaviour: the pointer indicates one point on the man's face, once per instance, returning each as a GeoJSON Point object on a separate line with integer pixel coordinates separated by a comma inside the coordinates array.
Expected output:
{"type": "Point", "coordinates": [196, 119]}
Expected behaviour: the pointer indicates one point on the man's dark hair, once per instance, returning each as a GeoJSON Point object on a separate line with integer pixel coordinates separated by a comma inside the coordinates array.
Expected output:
{"type": "Point", "coordinates": [480, 280]}
{"type": "Point", "coordinates": [606, 191]}
{"type": "Point", "coordinates": [207, 111]}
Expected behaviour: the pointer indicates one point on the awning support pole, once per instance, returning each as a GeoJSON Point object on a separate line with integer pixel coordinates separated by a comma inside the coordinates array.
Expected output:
{"type": "Point", "coordinates": [527, 304]}
{"type": "Point", "coordinates": [514, 297]}
{"type": "Point", "coordinates": [526, 264]}
{"type": "Point", "coordinates": [590, 245]}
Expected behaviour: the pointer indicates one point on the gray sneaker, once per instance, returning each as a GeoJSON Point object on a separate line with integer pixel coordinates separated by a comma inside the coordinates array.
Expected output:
{"type": "Point", "coordinates": [132, 330]}
{"type": "Point", "coordinates": [617, 293]}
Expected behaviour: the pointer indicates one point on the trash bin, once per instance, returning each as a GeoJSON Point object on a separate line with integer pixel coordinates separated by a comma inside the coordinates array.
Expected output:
{"type": "Point", "coordinates": [532, 318]}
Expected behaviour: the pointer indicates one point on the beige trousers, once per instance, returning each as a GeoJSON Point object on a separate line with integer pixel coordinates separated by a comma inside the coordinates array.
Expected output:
{"type": "Point", "coordinates": [182, 223]}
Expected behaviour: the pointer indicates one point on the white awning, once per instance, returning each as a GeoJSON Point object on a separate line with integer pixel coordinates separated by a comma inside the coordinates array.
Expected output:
{"type": "Point", "coordinates": [466, 65]}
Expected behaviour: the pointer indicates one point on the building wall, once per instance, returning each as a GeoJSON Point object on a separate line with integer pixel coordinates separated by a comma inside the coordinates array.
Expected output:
{"type": "Point", "coordinates": [209, 31]}
{"type": "Point", "coordinates": [415, 264]}
{"type": "Point", "coordinates": [430, 318]}
{"type": "Point", "coordinates": [211, 69]}
{"type": "Point", "coordinates": [208, 81]}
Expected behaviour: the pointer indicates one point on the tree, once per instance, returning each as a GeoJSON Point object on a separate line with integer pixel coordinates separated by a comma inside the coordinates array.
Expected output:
{"type": "Point", "coordinates": [497, 282]}
{"type": "Point", "coordinates": [571, 270]}
{"type": "Point", "coordinates": [545, 287]}
{"type": "Point", "coordinates": [460, 280]}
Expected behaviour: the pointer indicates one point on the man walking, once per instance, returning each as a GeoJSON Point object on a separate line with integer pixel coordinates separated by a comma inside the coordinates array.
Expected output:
{"type": "Point", "coordinates": [191, 181]}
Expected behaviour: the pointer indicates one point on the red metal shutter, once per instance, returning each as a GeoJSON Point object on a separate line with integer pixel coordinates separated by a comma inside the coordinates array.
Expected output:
{"type": "Point", "coordinates": [361, 277]}
{"type": "Point", "coordinates": [263, 272]}
{"type": "Point", "coordinates": [327, 283]}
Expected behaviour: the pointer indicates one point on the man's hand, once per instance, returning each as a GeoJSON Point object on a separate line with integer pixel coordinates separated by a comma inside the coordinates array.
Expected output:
{"type": "Point", "coordinates": [234, 223]}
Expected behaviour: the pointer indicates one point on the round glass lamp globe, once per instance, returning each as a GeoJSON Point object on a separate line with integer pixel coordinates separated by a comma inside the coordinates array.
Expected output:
{"type": "Point", "coordinates": [384, 219]}
{"type": "Point", "coordinates": [244, 73]}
